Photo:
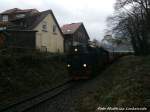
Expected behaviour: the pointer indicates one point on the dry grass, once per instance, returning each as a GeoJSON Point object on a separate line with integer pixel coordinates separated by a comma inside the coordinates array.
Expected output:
{"type": "Point", "coordinates": [23, 74]}
{"type": "Point", "coordinates": [124, 84]}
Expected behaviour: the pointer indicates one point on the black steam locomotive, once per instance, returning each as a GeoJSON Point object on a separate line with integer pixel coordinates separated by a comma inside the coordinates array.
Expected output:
{"type": "Point", "coordinates": [83, 61]}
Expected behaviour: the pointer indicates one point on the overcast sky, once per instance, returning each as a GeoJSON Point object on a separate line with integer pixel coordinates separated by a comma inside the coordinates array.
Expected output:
{"type": "Point", "coordinates": [92, 13]}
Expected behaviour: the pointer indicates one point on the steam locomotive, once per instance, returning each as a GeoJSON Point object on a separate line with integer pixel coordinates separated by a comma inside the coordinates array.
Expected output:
{"type": "Point", "coordinates": [83, 61]}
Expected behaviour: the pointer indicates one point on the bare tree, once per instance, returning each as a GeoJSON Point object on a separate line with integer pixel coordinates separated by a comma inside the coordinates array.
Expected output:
{"type": "Point", "coordinates": [132, 20]}
{"type": "Point", "coordinates": [96, 42]}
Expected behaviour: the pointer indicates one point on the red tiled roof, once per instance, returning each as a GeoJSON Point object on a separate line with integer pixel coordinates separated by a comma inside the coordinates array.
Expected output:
{"type": "Point", "coordinates": [70, 28]}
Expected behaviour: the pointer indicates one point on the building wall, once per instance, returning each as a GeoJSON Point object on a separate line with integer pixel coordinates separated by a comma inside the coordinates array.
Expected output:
{"type": "Point", "coordinates": [2, 37]}
{"type": "Point", "coordinates": [68, 42]}
{"type": "Point", "coordinates": [52, 42]}
{"type": "Point", "coordinates": [20, 39]}
{"type": "Point", "coordinates": [80, 36]}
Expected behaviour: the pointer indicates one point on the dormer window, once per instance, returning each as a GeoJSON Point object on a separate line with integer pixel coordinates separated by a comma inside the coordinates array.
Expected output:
{"type": "Point", "coordinates": [54, 29]}
{"type": "Point", "coordinates": [5, 17]}
{"type": "Point", "coordinates": [20, 15]}
{"type": "Point", "coordinates": [44, 27]}
{"type": "Point", "coordinates": [68, 30]}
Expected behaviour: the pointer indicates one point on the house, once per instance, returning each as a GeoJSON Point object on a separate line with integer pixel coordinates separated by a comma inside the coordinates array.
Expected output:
{"type": "Point", "coordinates": [44, 26]}
{"type": "Point", "coordinates": [74, 34]}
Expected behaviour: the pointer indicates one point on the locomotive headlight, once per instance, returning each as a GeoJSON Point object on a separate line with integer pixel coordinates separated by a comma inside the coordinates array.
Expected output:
{"type": "Point", "coordinates": [84, 65]}
{"type": "Point", "coordinates": [75, 49]}
{"type": "Point", "coordinates": [68, 65]}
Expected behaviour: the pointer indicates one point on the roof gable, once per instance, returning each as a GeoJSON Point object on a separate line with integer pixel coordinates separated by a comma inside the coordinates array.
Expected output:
{"type": "Point", "coordinates": [73, 28]}
{"type": "Point", "coordinates": [84, 30]}
{"type": "Point", "coordinates": [31, 21]}
{"type": "Point", "coordinates": [70, 28]}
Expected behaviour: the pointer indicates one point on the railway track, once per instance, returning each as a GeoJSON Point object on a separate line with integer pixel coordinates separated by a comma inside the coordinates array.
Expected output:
{"type": "Point", "coordinates": [37, 99]}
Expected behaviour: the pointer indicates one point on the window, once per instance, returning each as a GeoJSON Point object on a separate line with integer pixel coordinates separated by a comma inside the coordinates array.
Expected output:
{"type": "Point", "coordinates": [43, 49]}
{"type": "Point", "coordinates": [5, 18]}
{"type": "Point", "coordinates": [54, 29]}
{"type": "Point", "coordinates": [44, 27]}
{"type": "Point", "coordinates": [20, 15]}
{"type": "Point", "coordinates": [68, 30]}
{"type": "Point", "coordinates": [2, 28]}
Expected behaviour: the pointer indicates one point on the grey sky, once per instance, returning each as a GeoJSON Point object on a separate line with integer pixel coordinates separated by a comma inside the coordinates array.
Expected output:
{"type": "Point", "coordinates": [92, 13]}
